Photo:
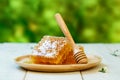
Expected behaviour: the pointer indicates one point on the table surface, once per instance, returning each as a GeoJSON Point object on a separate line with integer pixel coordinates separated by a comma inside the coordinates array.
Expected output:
{"type": "Point", "coordinates": [9, 70]}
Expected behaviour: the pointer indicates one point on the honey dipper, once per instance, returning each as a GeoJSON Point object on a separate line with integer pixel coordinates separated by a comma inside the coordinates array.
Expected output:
{"type": "Point", "coordinates": [79, 55]}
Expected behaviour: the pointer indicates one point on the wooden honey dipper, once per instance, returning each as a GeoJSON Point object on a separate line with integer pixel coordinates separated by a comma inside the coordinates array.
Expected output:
{"type": "Point", "coordinates": [79, 55]}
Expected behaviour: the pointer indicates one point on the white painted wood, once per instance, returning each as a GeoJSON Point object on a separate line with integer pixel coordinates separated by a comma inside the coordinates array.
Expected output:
{"type": "Point", "coordinates": [8, 69]}
{"type": "Point", "coordinates": [53, 76]}
{"type": "Point", "coordinates": [114, 49]}
{"type": "Point", "coordinates": [108, 61]}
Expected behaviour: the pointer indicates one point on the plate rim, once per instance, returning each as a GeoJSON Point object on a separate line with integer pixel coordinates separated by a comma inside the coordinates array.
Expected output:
{"type": "Point", "coordinates": [52, 66]}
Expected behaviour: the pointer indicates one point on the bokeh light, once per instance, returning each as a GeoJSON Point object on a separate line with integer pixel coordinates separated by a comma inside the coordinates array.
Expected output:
{"type": "Point", "coordinates": [89, 21]}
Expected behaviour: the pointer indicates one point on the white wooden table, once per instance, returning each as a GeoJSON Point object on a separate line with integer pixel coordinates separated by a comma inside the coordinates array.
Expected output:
{"type": "Point", "coordinates": [9, 70]}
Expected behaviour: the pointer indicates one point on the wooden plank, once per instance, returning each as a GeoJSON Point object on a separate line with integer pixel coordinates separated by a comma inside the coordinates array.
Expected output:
{"type": "Point", "coordinates": [8, 69]}
{"type": "Point", "coordinates": [114, 49]}
{"type": "Point", "coordinates": [53, 76]}
{"type": "Point", "coordinates": [19, 49]}
{"type": "Point", "coordinates": [108, 61]}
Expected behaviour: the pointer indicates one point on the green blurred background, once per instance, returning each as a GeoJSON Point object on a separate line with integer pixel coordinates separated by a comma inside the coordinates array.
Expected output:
{"type": "Point", "coordinates": [89, 21]}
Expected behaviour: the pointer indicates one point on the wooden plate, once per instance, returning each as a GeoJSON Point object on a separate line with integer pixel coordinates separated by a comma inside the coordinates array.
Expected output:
{"type": "Point", "coordinates": [24, 62]}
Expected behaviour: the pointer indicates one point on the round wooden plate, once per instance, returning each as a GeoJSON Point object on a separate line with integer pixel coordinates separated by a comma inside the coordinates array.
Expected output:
{"type": "Point", "coordinates": [24, 62]}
